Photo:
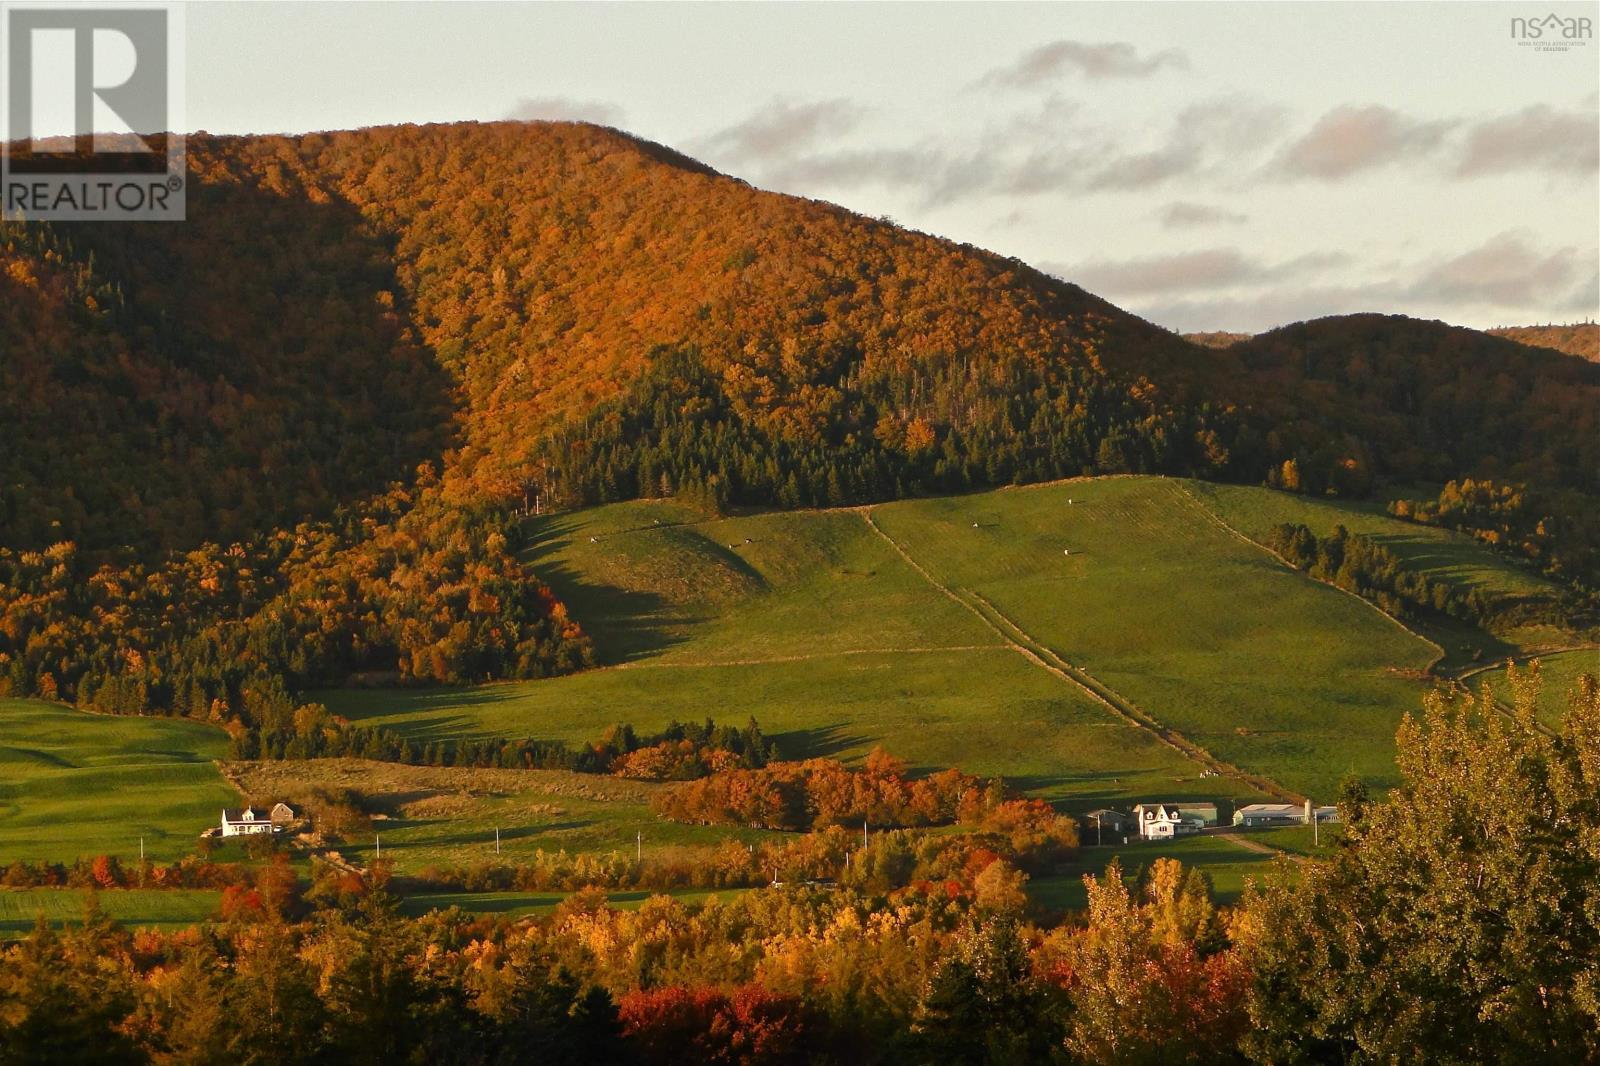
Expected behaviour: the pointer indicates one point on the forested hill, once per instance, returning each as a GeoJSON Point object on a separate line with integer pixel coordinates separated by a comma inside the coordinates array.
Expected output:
{"type": "Point", "coordinates": [562, 309]}
{"type": "Point", "coordinates": [1579, 338]}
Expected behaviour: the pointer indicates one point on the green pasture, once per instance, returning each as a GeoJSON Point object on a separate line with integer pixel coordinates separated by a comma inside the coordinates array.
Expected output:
{"type": "Point", "coordinates": [136, 908]}
{"type": "Point", "coordinates": [1227, 864]}
{"type": "Point", "coordinates": [1441, 554]}
{"type": "Point", "coordinates": [74, 784]}
{"type": "Point", "coordinates": [1134, 581]}
{"type": "Point", "coordinates": [840, 630]}
{"type": "Point", "coordinates": [835, 641]}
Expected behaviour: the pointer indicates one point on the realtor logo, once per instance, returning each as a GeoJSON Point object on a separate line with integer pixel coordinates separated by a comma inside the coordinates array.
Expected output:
{"type": "Point", "coordinates": [93, 114]}
{"type": "Point", "coordinates": [1552, 32]}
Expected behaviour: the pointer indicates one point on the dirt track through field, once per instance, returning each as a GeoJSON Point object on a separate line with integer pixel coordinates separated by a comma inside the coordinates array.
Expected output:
{"type": "Point", "coordinates": [1047, 659]}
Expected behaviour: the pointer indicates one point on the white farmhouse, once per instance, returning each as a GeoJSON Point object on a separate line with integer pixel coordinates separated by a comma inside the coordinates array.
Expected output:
{"type": "Point", "coordinates": [248, 820]}
{"type": "Point", "coordinates": [1163, 821]}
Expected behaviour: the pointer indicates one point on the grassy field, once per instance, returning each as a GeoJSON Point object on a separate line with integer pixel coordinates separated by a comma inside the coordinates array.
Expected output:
{"type": "Point", "coordinates": [1299, 839]}
{"type": "Point", "coordinates": [815, 625]}
{"type": "Point", "coordinates": [136, 908]}
{"type": "Point", "coordinates": [900, 625]}
{"type": "Point", "coordinates": [1443, 555]}
{"type": "Point", "coordinates": [1227, 864]}
{"type": "Point", "coordinates": [442, 816]}
{"type": "Point", "coordinates": [74, 784]}
{"type": "Point", "coordinates": [1558, 673]}
{"type": "Point", "coordinates": [1206, 633]}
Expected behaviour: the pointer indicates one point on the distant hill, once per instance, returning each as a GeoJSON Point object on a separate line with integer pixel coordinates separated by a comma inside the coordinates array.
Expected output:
{"type": "Point", "coordinates": [1580, 339]}
{"type": "Point", "coordinates": [1217, 339]}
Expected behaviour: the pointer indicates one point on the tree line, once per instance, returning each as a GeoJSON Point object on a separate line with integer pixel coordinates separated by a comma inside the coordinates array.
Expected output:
{"type": "Point", "coordinates": [1362, 565]}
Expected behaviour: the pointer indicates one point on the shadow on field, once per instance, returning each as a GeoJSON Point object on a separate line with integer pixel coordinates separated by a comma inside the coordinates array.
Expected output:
{"type": "Point", "coordinates": [818, 743]}
{"type": "Point", "coordinates": [624, 624]}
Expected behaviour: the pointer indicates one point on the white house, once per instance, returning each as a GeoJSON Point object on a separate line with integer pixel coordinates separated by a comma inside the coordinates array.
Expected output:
{"type": "Point", "coordinates": [1260, 814]}
{"type": "Point", "coordinates": [249, 820]}
{"type": "Point", "coordinates": [1162, 821]}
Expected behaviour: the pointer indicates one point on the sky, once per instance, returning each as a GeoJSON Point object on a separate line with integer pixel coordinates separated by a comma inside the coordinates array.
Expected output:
{"type": "Point", "coordinates": [1231, 166]}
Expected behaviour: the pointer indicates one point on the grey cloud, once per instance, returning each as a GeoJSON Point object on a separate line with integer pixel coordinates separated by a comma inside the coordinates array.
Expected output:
{"type": "Point", "coordinates": [1265, 309]}
{"type": "Point", "coordinates": [940, 172]}
{"type": "Point", "coordinates": [1202, 134]}
{"type": "Point", "coordinates": [1505, 271]}
{"type": "Point", "coordinates": [1535, 138]}
{"type": "Point", "coordinates": [1504, 276]}
{"type": "Point", "coordinates": [565, 109]}
{"type": "Point", "coordinates": [782, 128]}
{"type": "Point", "coordinates": [1110, 59]}
{"type": "Point", "coordinates": [795, 147]}
{"type": "Point", "coordinates": [1182, 214]}
{"type": "Point", "coordinates": [1348, 140]}
{"type": "Point", "coordinates": [1211, 268]}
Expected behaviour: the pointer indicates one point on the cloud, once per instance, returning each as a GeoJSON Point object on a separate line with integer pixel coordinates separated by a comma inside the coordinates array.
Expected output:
{"type": "Point", "coordinates": [565, 109]}
{"type": "Point", "coordinates": [1535, 138]}
{"type": "Point", "coordinates": [1203, 136]}
{"type": "Point", "coordinates": [1506, 271]}
{"type": "Point", "coordinates": [1182, 214]}
{"type": "Point", "coordinates": [1207, 269]}
{"type": "Point", "coordinates": [1054, 146]}
{"type": "Point", "coordinates": [1110, 59]}
{"type": "Point", "coordinates": [1224, 289]}
{"type": "Point", "coordinates": [781, 129]}
{"type": "Point", "coordinates": [1348, 140]}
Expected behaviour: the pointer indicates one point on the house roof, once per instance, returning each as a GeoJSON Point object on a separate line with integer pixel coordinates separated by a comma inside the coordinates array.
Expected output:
{"type": "Point", "coordinates": [236, 814]}
{"type": "Point", "coordinates": [1272, 808]}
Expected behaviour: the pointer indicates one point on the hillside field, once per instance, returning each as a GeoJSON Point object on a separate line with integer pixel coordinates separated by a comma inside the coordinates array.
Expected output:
{"type": "Point", "coordinates": [1441, 554]}
{"type": "Point", "coordinates": [941, 628]}
{"type": "Point", "coordinates": [77, 785]}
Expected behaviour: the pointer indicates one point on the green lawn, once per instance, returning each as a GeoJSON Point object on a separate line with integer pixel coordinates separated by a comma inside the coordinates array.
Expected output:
{"type": "Point", "coordinates": [816, 625]}
{"type": "Point", "coordinates": [1299, 839]}
{"type": "Point", "coordinates": [1225, 863]}
{"type": "Point", "coordinates": [75, 784]}
{"type": "Point", "coordinates": [135, 908]}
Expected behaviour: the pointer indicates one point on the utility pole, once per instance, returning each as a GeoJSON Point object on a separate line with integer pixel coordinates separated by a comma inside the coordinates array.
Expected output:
{"type": "Point", "coordinates": [141, 849]}
{"type": "Point", "coordinates": [378, 840]}
{"type": "Point", "coordinates": [863, 834]}
{"type": "Point", "coordinates": [638, 846]}
{"type": "Point", "coordinates": [1098, 839]}
{"type": "Point", "coordinates": [497, 840]}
